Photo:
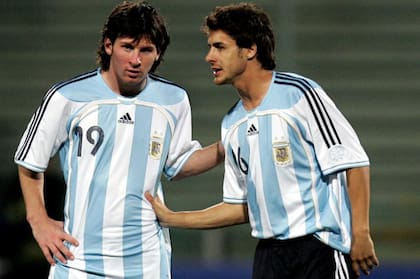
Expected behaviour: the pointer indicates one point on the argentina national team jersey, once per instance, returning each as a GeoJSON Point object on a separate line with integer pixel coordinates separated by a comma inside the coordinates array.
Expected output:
{"type": "Point", "coordinates": [112, 149]}
{"type": "Point", "coordinates": [287, 159]}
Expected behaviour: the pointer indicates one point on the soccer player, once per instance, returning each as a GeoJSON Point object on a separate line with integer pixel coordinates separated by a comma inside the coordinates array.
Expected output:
{"type": "Point", "coordinates": [116, 130]}
{"type": "Point", "coordinates": [294, 166]}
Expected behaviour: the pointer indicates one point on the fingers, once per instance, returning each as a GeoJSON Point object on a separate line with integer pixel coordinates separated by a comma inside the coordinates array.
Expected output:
{"type": "Point", "coordinates": [60, 253]}
{"type": "Point", "coordinates": [57, 248]}
{"type": "Point", "coordinates": [153, 200]}
{"type": "Point", "coordinates": [149, 197]}
{"type": "Point", "coordinates": [55, 252]}
{"type": "Point", "coordinates": [71, 240]}
{"type": "Point", "coordinates": [47, 255]}
{"type": "Point", "coordinates": [365, 265]}
{"type": "Point", "coordinates": [375, 260]}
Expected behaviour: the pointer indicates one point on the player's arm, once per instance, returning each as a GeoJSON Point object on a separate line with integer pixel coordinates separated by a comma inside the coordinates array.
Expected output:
{"type": "Point", "coordinates": [362, 250]}
{"type": "Point", "coordinates": [203, 160]}
{"type": "Point", "coordinates": [216, 216]}
{"type": "Point", "coordinates": [47, 232]}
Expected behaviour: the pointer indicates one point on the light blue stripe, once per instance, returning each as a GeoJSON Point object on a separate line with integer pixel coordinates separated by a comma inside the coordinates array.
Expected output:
{"type": "Point", "coordinates": [303, 176]}
{"type": "Point", "coordinates": [93, 235]}
{"type": "Point", "coordinates": [165, 258]}
{"type": "Point", "coordinates": [272, 195]}
{"type": "Point", "coordinates": [60, 271]}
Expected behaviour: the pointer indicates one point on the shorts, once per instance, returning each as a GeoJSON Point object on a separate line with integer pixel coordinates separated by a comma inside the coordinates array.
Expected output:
{"type": "Point", "coordinates": [300, 258]}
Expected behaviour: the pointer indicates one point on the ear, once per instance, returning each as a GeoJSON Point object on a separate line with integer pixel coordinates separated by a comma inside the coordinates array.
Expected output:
{"type": "Point", "coordinates": [251, 52]}
{"type": "Point", "coordinates": [108, 46]}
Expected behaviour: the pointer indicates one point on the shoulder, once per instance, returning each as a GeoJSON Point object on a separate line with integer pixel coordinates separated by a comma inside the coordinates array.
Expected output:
{"type": "Point", "coordinates": [163, 91]}
{"type": "Point", "coordinates": [70, 88]}
{"type": "Point", "coordinates": [75, 81]}
{"type": "Point", "coordinates": [289, 89]}
{"type": "Point", "coordinates": [294, 81]}
{"type": "Point", "coordinates": [165, 82]}
{"type": "Point", "coordinates": [234, 114]}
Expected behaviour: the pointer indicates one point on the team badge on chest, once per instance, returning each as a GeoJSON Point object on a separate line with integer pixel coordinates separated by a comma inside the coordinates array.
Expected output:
{"type": "Point", "coordinates": [281, 153]}
{"type": "Point", "coordinates": [156, 146]}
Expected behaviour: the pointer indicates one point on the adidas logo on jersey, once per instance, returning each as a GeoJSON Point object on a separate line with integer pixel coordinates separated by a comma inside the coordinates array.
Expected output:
{"type": "Point", "coordinates": [126, 119]}
{"type": "Point", "coordinates": [252, 130]}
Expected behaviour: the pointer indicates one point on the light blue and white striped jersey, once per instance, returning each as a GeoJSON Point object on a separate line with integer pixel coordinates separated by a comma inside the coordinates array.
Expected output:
{"type": "Point", "coordinates": [287, 159]}
{"type": "Point", "coordinates": [112, 149]}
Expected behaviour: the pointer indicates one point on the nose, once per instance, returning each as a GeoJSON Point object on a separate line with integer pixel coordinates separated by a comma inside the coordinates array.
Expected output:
{"type": "Point", "coordinates": [209, 57]}
{"type": "Point", "coordinates": [136, 59]}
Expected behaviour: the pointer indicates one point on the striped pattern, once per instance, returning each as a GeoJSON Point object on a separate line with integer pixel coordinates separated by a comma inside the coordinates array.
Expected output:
{"type": "Point", "coordinates": [285, 159]}
{"type": "Point", "coordinates": [37, 117]}
{"type": "Point", "coordinates": [341, 270]}
{"type": "Point", "coordinates": [323, 119]}
{"type": "Point", "coordinates": [112, 149]}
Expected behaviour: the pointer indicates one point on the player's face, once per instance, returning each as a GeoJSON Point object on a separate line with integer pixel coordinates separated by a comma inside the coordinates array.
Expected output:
{"type": "Point", "coordinates": [130, 62]}
{"type": "Point", "coordinates": [228, 62]}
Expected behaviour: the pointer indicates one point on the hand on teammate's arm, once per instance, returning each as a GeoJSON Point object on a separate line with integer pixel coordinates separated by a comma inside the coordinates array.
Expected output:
{"type": "Point", "coordinates": [216, 216]}
{"type": "Point", "coordinates": [48, 233]}
{"type": "Point", "coordinates": [362, 249]}
{"type": "Point", "coordinates": [203, 160]}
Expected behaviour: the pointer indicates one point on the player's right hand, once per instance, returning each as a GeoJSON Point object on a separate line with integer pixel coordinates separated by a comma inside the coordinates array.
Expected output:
{"type": "Point", "coordinates": [161, 211]}
{"type": "Point", "coordinates": [51, 237]}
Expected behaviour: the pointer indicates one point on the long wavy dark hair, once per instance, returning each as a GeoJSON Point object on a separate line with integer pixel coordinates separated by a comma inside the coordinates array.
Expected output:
{"type": "Point", "coordinates": [137, 21]}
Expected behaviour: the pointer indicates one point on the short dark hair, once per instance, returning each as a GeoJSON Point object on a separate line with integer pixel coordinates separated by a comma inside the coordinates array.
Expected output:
{"type": "Point", "coordinates": [247, 24]}
{"type": "Point", "coordinates": [134, 20]}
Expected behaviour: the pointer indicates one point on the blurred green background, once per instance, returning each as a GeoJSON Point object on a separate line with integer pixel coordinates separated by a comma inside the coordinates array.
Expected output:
{"type": "Point", "coordinates": [364, 53]}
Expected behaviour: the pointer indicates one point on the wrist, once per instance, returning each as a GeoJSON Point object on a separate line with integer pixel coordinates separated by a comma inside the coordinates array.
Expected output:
{"type": "Point", "coordinates": [34, 219]}
{"type": "Point", "coordinates": [361, 231]}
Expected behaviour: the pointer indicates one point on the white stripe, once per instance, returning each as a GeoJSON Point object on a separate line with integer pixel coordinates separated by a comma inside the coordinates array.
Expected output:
{"type": "Point", "coordinates": [308, 155]}
{"type": "Point", "coordinates": [113, 217]}
{"type": "Point", "coordinates": [150, 241]}
{"type": "Point", "coordinates": [159, 123]}
{"type": "Point", "coordinates": [344, 265]}
{"type": "Point", "coordinates": [336, 207]}
{"type": "Point", "coordinates": [288, 184]}
{"type": "Point", "coordinates": [51, 273]}
{"type": "Point", "coordinates": [34, 123]}
{"type": "Point", "coordinates": [341, 271]}
{"type": "Point", "coordinates": [84, 176]}
{"type": "Point", "coordinates": [161, 110]}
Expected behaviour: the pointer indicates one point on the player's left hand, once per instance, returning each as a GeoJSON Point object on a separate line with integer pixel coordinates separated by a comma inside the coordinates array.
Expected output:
{"type": "Point", "coordinates": [363, 254]}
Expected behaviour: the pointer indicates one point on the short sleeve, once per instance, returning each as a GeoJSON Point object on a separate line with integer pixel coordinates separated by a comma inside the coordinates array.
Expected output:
{"type": "Point", "coordinates": [44, 134]}
{"type": "Point", "coordinates": [337, 145]}
{"type": "Point", "coordinates": [181, 146]}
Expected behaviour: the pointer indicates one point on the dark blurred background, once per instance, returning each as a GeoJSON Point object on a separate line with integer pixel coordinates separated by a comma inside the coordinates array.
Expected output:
{"type": "Point", "coordinates": [364, 53]}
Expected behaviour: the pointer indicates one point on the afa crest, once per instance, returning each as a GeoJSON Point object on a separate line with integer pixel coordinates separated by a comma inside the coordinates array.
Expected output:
{"type": "Point", "coordinates": [281, 153]}
{"type": "Point", "coordinates": [156, 146]}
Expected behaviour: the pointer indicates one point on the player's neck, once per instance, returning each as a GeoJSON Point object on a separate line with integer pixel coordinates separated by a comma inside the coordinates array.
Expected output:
{"type": "Point", "coordinates": [121, 88]}
{"type": "Point", "coordinates": [253, 88]}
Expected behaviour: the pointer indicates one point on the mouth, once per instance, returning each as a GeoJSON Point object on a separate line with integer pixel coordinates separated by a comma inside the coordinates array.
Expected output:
{"type": "Point", "coordinates": [133, 73]}
{"type": "Point", "coordinates": [216, 71]}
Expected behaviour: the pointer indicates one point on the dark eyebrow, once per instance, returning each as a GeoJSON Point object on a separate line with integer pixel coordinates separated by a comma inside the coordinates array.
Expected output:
{"type": "Point", "coordinates": [216, 44]}
{"type": "Point", "coordinates": [147, 48]}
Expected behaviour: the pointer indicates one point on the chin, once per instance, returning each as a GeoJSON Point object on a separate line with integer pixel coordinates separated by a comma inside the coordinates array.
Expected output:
{"type": "Point", "coordinates": [219, 81]}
